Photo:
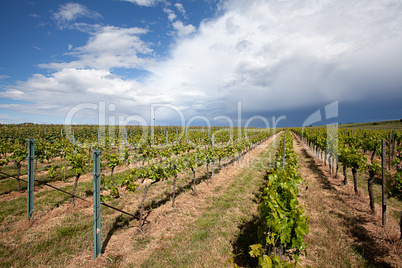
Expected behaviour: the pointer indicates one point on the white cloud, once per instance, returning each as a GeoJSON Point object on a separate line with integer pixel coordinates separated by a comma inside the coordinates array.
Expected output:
{"type": "Point", "coordinates": [110, 47]}
{"type": "Point", "coordinates": [182, 29]}
{"type": "Point", "coordinates": [147, 3]}
{"type": "Point", "coordinates": [171, 15]}
{"type": "Point", "coordinates": [2, 77]}
{"type": "Point", "coordinates": [6, 118]}
{"type": "Point", "coordinates": [35, 16]}
{"type": "Point", "coordinates": [71, 11]}
{"type": "Point", "coordinates": [57, 93]}
{"type": "Point", "coordinates": [84, 27]}
{"type": "Point", "coordinates": [180, 8]}
{"type": "Point", "coordinates": [269, 55]}
{"type": "Point", "coordinates": [285, 55]}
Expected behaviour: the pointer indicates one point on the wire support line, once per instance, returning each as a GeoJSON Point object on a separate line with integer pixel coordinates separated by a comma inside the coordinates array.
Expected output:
{"type": "Point", "coordinates": [75, 196]}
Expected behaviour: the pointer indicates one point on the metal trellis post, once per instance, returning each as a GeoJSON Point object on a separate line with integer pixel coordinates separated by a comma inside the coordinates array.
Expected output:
{"type": "Point", "coordinates": [284, 151]}
{"type": "Point", "coordinates": [213, 143]}
{"type": "Point", "coordinates": [31, 165]}
{"type": "Point", "coordinates": [96, 194]}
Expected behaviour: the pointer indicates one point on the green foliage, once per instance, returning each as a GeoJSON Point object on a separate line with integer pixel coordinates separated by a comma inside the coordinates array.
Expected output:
{"type": "Point", "coordinates": [256, 250]}
{"type": "Point", "coordinates": [147, 152]}
{"type": "Point", "coordinates": [4, 162]}
{"type": "Point", "coordinates": [394, 182]}
{"type": "Point", "coordinates": [113, 160]}
{"type": "Point", "coordinates": [394, 185]}
{"type": "Point", "coordinates": [20, 153]}
{"type": "Point", "coordinates": [374, 167]}
{"type": "Point", "coordinates": [77, 162]}
{"type": "Point", "coordinates": [265, 261]}
{"type": "Point", "coordinates": [351, 158]}
{"type": "Point", "coordinates": [284, 224]}
{"type": "Point", "coordinates": [371, 142]}
{"type": "Point", "coordinates": [173, 165]}
{"type": "Point", "coordinates": [51, 172]}
{"type": "Point", "coordinates": [351, 145]}
{"type": "Point", "coordinates": [210, 155]}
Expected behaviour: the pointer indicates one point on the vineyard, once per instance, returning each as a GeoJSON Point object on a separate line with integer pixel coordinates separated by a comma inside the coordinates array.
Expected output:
{"type": "Point", "coordinates": [197, 196]}
{"type": "Point", "coordinates": [372, 152]}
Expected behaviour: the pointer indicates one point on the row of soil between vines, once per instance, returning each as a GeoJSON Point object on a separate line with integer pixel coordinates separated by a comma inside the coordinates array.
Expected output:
{"type": "Point", "coordinates": [159, 200]}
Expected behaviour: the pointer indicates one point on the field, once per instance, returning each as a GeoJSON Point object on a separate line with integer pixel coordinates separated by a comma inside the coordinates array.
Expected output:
{"type": "Point", "coordinates": [202, 199]}
{"type": "Point", "coordinates": [392, 124]}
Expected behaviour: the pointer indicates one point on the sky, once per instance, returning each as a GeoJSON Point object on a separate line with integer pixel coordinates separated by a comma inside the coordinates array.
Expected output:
{"type": "Point", "coordinates": [200, 62]}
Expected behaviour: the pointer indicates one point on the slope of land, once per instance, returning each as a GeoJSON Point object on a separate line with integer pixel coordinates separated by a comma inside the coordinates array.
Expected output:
{"type": "Point", "coordinates": [391, 124]}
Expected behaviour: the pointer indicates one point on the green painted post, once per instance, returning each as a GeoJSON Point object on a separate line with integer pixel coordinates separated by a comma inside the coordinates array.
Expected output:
{"type": "Point", "coordinates": [126, 138]}
{"type": "Point", "coordinates": [96, 194]}
{"type": "Point", "coordinates": [284, 151]}
{"type": "Point", "coordinates": [31, 166]}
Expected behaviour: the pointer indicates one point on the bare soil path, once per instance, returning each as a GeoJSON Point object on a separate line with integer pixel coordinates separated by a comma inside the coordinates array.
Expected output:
{"type": "Point", "coordinates": [343, 232]}
{"type": "Point", "coordinates": [133, 248]}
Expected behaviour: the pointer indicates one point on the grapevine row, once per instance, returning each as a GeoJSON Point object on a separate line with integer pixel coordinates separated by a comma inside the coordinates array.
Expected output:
{"type": "Point", "coordinates": [53, 142]}
{"type": "Point", "coordinates": [360, 150]}
{"type": "Point", "coordinates": [283, 221]}
{"type": "Point", "coordinates": [170, 167]}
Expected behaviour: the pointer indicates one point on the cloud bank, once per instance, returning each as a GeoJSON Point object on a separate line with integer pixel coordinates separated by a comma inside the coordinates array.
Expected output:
{"type": "Point", "coordinates": [270, 55]}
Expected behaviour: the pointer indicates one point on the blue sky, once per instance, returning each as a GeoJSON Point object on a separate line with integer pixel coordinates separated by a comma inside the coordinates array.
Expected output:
{"type": "Point", "coordinates": [201, 61]}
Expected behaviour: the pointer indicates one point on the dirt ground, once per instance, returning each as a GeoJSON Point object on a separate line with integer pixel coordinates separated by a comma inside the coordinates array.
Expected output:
{"type": "Point", "coordinates": [165, 221]}
{"type": "Point", "coordinates": [343, 232]}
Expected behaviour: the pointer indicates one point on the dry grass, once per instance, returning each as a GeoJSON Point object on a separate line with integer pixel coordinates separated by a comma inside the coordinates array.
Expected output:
{"type": "Point", "coordinates": [59, 233]}
{"type": "Point", "coordinates": [343, 233]}
{"type": "Point", "coordinates": [166, 223]}
{"type": "Point", "coordinates": [213, 236]}
{"type": "Point", "coordinates": [213, 228]}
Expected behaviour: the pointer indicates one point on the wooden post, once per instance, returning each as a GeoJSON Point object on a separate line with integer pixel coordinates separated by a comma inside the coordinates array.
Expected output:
{"type": "Point", "coordinates": [333, 153]}
{"type": "Point", "coordinates": [384, 199]}
{"type": "Point", "coordinates": [393, 143]}
{"type": "Point", "coordinates": [389, 151]}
